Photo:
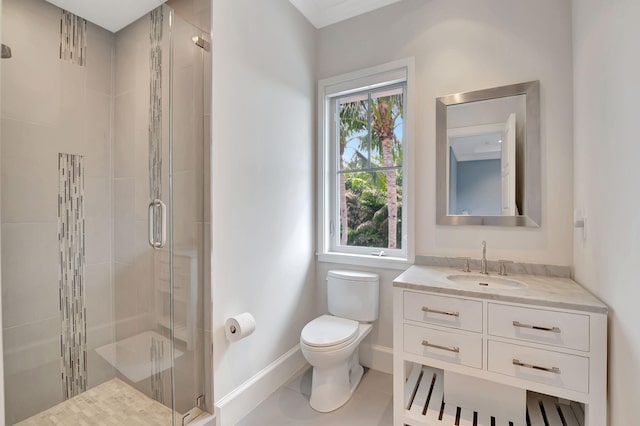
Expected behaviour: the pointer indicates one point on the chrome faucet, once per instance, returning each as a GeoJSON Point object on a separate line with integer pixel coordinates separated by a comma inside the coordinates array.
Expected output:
{"type": "Point", "coordinates": [503, 267]}
{"type": "Point", "coordinates": [483, 263]}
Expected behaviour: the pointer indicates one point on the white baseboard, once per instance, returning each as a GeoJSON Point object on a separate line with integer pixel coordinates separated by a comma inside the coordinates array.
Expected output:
{"type": "Point", "coordinates": [377, 357]}
{"type": "Point", "coordinates": [242, 400]}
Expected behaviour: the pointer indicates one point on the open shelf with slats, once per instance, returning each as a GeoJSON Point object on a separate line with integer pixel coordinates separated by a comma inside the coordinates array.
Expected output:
{"type": "Point", "coordinates": [424, 405]}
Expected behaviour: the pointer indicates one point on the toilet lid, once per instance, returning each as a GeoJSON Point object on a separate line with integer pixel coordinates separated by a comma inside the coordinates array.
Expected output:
{"type": "Point", "coordinates": [328, 330]}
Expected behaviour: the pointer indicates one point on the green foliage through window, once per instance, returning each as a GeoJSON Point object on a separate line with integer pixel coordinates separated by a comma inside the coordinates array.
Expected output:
{"type": "Point", "coordinates": [370, 168]}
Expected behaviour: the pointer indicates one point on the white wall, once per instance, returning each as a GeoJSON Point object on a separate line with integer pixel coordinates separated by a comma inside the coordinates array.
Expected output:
{"type": "Point", "coordinates": [65, 109]}
{"type": "Point", "coordinates": [263, 181]}
{"type": "Point", "coordinates": [462, 45]}
{"type": "Point", "coordinates": [606, 96]}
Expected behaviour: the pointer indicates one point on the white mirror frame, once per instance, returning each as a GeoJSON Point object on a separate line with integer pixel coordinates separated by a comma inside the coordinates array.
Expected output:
{"type": "Point", "coordinates": [532, 199]}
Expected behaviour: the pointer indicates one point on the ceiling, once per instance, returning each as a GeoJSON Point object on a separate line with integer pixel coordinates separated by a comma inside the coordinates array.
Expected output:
{"type": "Point", "coordinates": [117, 14]}
{"type": "Point", "coordinates": [477, 147]}
{"type": "Point", "coordinates": [110, 14]}
{"type": "Point", "coordinates": [322, 13]}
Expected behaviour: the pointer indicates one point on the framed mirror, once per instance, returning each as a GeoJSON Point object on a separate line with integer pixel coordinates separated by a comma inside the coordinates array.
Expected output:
{"type": "Point", "coordinates": [488, 157]}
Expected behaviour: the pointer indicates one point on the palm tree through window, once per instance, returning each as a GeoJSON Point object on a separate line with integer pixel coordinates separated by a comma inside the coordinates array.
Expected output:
{"type": "Point", "coordinates": [370, 138]}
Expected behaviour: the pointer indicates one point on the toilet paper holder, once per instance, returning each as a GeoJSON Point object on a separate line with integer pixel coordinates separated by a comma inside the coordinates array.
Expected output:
{"type": "Point", "coordinates": [239, 326]}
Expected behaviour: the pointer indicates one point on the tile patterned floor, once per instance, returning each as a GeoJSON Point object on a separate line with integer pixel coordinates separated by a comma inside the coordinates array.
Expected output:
{"type": "Point", "coordinates": [111, 403]}
{"type": "Point", "coordinates": [371, 405]}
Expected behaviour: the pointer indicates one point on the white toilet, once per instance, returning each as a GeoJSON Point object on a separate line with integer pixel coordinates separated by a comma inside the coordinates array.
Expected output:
{"type": "Point", "coordinates": [330, 342]}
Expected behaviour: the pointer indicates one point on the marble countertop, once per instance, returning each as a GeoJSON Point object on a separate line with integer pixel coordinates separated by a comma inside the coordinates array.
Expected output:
{"type": "Point", "coordinates": [540, 290]}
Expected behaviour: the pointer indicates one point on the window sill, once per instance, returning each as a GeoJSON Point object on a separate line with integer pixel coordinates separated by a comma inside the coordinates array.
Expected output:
{"type": "Point", "coordinates": [365, 260]}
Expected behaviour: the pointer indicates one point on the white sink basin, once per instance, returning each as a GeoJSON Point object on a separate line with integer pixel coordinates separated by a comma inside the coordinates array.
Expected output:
{"type": "Point", "coordinates": [486, 281]}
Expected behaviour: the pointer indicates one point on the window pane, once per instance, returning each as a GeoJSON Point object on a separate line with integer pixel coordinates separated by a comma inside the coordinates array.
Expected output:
{"type": "Point", "coordinates": [387, 110]}
{"type": "Point", "coordinates": [353, 132]}
{"type": "Point", "coordinates": [365, 208]}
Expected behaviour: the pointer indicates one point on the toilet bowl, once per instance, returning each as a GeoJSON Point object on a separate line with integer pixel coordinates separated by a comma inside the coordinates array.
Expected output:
{"type": "Point", "coordinates": [336, 367]}
{"type": "Point", "coordinates": [330, 342]}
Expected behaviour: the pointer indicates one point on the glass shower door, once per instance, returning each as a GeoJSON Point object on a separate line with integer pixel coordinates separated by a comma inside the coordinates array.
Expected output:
{"type": "Point", "coordinates": [142, 349]}
{"type": "Point", "coordinates": [189, 163]}
{"type": "Point", "coordinates": [168, 188]}
{"type": "Point", "coordinates": [177, 212]}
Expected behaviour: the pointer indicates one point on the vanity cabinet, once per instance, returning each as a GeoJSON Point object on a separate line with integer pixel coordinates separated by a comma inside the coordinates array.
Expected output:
{"type": "Point", "coordinates": [546, 348]}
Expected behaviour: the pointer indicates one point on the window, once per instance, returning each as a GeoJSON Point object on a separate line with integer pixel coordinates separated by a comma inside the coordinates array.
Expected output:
{"type": "Point", "coordinates": [364, 165]}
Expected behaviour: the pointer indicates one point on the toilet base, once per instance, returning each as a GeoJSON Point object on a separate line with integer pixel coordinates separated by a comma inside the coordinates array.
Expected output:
{"type": "Point", "coordinates": [333, 386]}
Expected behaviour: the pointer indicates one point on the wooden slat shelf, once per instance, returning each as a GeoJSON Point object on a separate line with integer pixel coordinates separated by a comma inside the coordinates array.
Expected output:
{"type": "Point", "coordinates": [424, 405]}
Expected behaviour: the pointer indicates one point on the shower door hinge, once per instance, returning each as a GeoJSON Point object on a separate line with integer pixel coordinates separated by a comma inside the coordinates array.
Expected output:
{"type": "Point", "coordinates": [201, 42]}
{"type": "Point", "coordinates": [199, 401]}
{"type": "Point", "coordinates": [191, 415]}
{"type": "Point", "coordinates": [195, 412]}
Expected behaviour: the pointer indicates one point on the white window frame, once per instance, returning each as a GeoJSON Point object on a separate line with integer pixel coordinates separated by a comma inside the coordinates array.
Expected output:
{"type": "Point", "coordinates": [328, 89]}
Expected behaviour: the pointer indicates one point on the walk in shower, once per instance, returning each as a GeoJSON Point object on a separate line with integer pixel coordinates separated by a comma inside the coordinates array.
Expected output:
{"type": "Point", "coordinates": [105, 234]}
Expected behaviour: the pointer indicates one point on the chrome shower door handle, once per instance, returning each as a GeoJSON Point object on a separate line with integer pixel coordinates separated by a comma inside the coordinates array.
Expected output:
{"type": "Point", "coordinates": [163, 224]}
{"type": "Point", "coordinates": [152, 228]}
{"type": "Point", "coordinates": [155, 204]}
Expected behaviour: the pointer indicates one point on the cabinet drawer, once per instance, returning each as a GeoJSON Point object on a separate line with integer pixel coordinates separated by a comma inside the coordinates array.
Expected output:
{"type": "Point", "coordinates": [537, 365]}
{"type": "Point", "coordinates": [441, 310]}
{"type": "Point", "coordinates": [449, 346]}
{"type": "Point", "coordinates": [540, 326]}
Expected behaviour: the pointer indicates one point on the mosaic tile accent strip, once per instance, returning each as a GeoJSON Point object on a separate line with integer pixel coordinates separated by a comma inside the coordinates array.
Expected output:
{"type": "Point", "coordinates": [113, 403]}
{"type": "Point", "coordinates": [73, 39]}
{"type": "Point", "coordinates": [71, 240]}
{"type": "Point", "coordinates": [155, 105]}
{"type": "Point", "coordinates": [157, 370]}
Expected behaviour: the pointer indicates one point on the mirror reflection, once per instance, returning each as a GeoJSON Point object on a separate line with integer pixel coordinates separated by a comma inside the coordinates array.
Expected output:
{"type": "Point", "coordinates": [482, 140]}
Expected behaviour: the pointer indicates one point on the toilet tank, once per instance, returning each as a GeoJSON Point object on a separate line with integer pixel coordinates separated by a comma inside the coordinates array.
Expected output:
{"type": "Point", "coordinates": [353, 295]}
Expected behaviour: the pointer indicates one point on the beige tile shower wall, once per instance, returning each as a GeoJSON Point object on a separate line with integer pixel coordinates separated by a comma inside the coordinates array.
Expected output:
{"type": "Point", "coordinates": [137, 285]}
{"type": "Point", "coordinates": [196, 12]}
{"type": "Point", "coordinates": [132, 254]}
{"type": "Point", "coordinates": [50, 106]}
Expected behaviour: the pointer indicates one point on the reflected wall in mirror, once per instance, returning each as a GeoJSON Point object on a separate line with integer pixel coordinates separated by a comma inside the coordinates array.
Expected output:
{"type": "Point", "coordinates": [488, 157]}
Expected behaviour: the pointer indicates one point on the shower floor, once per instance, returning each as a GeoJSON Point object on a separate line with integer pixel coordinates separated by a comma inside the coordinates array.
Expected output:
{"type": "Point", "coordinates": [111, 403]}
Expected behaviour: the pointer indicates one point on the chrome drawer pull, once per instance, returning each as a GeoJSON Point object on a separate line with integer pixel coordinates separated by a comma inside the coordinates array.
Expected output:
{"type": "Point", "coordinates": [450, 349]}
{"type": "Point", "coordinates": [535, 327]}
{"type": "Point", "coordinates": [434, 311]}
{"type": "Point", "coordinates": [536, 367]}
